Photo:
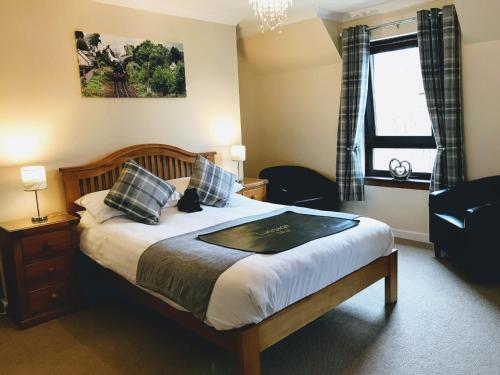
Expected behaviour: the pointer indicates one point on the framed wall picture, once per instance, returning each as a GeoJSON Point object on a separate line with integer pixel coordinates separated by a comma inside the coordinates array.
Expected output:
{"type": "Point", "coordinates": [120, 67]}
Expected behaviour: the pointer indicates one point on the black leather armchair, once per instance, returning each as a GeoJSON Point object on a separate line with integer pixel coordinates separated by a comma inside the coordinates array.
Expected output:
{"type": "Point", "coordinates": [299, 186]}
{"type": "Point", "coordinates": [465, 223]}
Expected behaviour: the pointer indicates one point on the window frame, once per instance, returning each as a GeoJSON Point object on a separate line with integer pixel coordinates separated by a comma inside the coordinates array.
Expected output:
{"type": "Point", "coordinates": [373, 141]}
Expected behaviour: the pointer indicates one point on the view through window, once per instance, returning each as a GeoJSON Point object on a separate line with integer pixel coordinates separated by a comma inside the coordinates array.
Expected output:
{"type": "Point", "coordinates": [397, 120]}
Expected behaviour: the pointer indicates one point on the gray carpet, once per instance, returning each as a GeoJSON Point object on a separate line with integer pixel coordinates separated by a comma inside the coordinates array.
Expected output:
{"type": "Point", "coordinates": [442, 324]}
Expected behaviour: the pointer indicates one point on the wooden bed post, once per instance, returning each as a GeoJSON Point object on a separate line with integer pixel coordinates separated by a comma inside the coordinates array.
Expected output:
{"type": "Point", "coordinates": [391, 281]}
{"type": "Point", "coordinates": [248, 351]}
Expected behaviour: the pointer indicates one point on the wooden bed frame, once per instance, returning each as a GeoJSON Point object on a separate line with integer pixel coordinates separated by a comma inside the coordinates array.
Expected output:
{"type": "Point", "coordinates": [170, 162]}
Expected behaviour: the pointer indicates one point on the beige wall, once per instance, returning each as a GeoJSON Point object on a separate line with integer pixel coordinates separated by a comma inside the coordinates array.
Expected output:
{"type": "Point", "coordinates": [250, 114]}
{"type": "Point", "coordinates": [44, 120]}
{"type": "Point", "coordinates": [296, 110]}
{"type": "Point", "coordinates": [481, 79]}
{"type": "Point", "coordinates": [297, 117]}
{"type": "Point", "coordinates": [278, 91]}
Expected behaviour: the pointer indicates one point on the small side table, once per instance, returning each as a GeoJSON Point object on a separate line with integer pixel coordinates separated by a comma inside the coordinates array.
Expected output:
{"type": "Point", "coordinates": [38, 267]}
{"type": "Point", "coordinates": [254, 188]}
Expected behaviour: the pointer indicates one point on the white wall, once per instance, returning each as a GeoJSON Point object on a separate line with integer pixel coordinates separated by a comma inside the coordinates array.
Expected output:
{"type": "Point", "coordinates": [44, 120]}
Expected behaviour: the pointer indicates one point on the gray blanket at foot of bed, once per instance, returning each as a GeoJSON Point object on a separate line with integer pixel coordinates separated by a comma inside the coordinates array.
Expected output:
{"type": "Point", "coordinates": [185, 269]}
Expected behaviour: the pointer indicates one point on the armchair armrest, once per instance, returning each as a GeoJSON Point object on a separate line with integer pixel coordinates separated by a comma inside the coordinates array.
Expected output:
{"type": "Point", "coordinates": [280, 195]}
{"type": "Point", "coordinates": [485, 215]}
{"type": "Point", "coordinates": [485, 209]}
{"type": "Point", "coordinates": [440, 200]}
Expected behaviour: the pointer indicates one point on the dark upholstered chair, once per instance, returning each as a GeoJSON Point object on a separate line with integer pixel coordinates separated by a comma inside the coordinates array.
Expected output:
{"type": "Point", "coordinates": [465, 223]}
{"type": "Point", "coordinates": [299, 186]}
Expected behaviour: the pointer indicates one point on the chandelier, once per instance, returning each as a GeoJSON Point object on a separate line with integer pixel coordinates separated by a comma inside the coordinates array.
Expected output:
{"type": "Point", "coordinates": [271, 12]}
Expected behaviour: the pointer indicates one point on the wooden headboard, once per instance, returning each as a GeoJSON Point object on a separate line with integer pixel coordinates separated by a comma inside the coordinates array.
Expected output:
{"type": "Point", "coordinates": [166, 162]}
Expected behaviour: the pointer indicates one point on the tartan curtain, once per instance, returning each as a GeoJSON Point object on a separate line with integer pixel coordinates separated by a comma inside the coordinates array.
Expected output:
{"type": "Point", "coordinates": [440, 59]}
{"type": "Point", "coordinates": [350, 138]}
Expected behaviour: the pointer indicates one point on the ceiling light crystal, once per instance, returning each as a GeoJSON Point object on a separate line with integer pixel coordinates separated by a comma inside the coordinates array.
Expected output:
{"type": "Point", "coordinates": [271, 12]}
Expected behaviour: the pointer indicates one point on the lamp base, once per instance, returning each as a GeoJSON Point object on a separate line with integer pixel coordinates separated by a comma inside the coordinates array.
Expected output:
{"type": "Point", "coordinates": [38, 219]}
{"type": "Point", "coordinates": [240, 177]}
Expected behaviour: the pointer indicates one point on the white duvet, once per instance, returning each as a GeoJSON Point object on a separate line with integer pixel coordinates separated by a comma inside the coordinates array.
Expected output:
{"type": "Point", "coordinates": [255, 287]}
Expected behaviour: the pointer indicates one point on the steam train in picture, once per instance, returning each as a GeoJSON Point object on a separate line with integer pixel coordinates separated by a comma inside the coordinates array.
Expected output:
{"type": "Point", "coordinates": [118, 72]}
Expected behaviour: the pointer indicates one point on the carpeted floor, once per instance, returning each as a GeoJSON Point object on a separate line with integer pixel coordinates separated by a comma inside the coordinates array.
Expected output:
{"type": "Point", "coordinates": [442, 324]}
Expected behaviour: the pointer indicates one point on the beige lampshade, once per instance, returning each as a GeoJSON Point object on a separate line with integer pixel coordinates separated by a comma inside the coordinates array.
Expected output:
{"type": "Point", "coordinates": [238, 153]}
{"type": "Point", "coordinates": [33, 178]}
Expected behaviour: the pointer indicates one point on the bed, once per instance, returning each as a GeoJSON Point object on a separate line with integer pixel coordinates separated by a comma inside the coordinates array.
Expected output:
{"type": "Point", "coordinates": [259, 300]}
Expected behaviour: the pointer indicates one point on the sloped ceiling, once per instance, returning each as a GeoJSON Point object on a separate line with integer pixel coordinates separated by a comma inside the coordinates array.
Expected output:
{"type": "Point", "coordinates": [313, 42]}
{"type": "Point", "coordinates": [479, 20]}
{"type": "Point", "coordinates": [233, 12]}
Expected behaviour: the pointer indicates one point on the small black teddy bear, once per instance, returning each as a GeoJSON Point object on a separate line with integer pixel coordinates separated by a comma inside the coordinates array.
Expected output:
{"type": "Point", "coordinates": [190, 202]}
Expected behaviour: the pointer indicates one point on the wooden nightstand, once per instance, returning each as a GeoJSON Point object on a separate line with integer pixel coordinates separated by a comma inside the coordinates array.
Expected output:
{"type": "Point", "coordinates": [254, 188]}
{"type": "Point", "coordinates": [38, 262]}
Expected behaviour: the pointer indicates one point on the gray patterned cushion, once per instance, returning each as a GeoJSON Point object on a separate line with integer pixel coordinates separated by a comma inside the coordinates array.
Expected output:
{"type": "Point", "coordinates": [139, 193]}
{"type": "Point", "coordinates": [213, 184]}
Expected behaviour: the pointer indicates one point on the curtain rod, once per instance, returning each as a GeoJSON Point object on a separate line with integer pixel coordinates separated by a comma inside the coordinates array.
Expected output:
{"type": "Point", "coordinates": [393, 23]}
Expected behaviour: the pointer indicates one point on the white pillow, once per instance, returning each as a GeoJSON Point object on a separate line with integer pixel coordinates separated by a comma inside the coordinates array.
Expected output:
{"type": "Point", "coordinates": [94, 203]}
{"type": "Point", "coordinates": [173, 200]}
{"type": "Point", "coordinates": [237, 187]}
{"type": "Point", "coordinates": [181, 184]}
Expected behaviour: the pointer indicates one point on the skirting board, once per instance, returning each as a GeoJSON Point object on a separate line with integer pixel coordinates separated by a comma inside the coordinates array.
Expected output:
{"type": "Point", "coordinates": [410, 235]}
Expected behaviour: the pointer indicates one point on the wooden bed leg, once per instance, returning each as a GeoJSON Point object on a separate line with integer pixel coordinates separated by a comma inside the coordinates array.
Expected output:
{"type": "Point", "coordinates": [248, 352]}
{"type": "Point", "coordinates": [391, 281]}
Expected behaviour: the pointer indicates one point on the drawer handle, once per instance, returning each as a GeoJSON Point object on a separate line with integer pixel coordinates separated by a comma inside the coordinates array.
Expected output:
{"type": "Point", "coordinates": [51, 270]}
{"type": "Point", "coordinates": [54, 296]}
{"type": "Point", "coordinates": [45, 247]}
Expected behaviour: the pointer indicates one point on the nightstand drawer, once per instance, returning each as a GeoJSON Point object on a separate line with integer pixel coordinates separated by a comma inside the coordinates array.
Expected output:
{"type": "Point", "coordinates": [46, 245]}
{"type": "Point", "coordinates": [49, 271]}
{"type": "Point", "coordinates": [257, 193]}
{"type": "Point", "coordinates": [51, 298]}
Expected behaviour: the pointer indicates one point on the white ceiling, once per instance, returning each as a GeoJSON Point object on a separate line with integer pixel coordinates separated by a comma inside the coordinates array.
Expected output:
{"type": "Point", "coordinates": [233, 12]}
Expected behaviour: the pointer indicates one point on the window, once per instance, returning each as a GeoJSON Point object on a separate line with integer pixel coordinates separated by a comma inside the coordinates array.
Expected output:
{"type": "Point", "coordinates": [397, 120]}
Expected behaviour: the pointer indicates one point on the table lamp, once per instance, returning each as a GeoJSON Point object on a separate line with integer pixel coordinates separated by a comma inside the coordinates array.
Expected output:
{"type": "Point", "coordinates": [34, 179]}
{"type": "Point", "coordinates": [238, 153]}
